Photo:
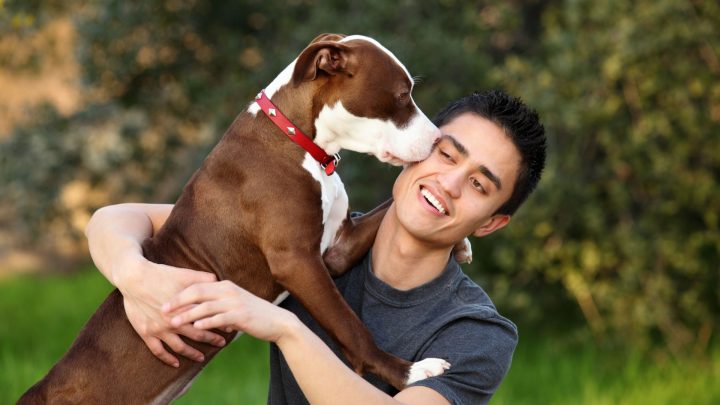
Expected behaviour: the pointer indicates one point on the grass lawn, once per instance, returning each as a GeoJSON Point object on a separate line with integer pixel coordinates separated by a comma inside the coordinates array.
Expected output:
{"type": "Point", "coordinates": [42, 315]}
{"type": "Point", "coordinates": [546, 371]}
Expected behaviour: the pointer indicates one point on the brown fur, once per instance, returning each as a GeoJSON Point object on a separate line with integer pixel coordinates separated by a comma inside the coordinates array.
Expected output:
{"type": "Point", "coordinates": [250, 214]}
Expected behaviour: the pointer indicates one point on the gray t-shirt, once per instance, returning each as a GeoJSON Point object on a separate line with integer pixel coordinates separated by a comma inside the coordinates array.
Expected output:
{"type": "Point", "coordinates": [450, 317]}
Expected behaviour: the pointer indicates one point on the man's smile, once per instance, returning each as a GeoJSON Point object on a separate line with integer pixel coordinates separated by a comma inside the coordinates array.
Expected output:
{"type": "Point", "coordinates": [433, 201]}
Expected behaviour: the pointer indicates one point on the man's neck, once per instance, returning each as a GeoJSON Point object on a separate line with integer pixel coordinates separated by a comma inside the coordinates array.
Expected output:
{"type": "Point", "coordinates": [403, 261]}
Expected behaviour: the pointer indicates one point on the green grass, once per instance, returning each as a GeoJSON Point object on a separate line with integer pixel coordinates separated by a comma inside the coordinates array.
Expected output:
{"type": "Point", "coordinates": [42, 315]}
{"type": "Point", "coordinates": [546, 371]}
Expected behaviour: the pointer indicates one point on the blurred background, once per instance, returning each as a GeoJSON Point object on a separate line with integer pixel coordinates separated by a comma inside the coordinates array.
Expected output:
{"type": "Point", "coordinates": [611, 270]}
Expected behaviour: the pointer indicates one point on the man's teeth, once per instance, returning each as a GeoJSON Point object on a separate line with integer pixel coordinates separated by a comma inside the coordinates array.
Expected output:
{"type": "Point", "coordinates": [432, 200]}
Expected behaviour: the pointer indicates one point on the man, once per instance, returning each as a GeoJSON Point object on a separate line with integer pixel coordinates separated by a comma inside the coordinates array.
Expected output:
{"type": "Point", "coordinates": [408, 290]}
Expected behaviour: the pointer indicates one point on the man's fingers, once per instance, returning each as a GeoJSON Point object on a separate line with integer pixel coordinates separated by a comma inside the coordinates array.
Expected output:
{"type": "Point", "coordinates": [201, 292]}
{"type": "Point", "coordinates": [182, 348]}
{"type": "Point", "coordinates": [216, 321]}
{"type": "Point", "coordinates": [200, 335]}
{"type": "Point", "coordinates": [191, 295]}
{"type": "Point", "coordinates": [197, 312]}
{"type": "Point", "coordinates": [177, 310]}
{"type": "Point", "coordinates": [158, 350]}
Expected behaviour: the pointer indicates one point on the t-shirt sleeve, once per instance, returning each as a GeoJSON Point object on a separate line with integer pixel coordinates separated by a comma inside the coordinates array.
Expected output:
{"type": "Point", "coordinates": [479, 351]}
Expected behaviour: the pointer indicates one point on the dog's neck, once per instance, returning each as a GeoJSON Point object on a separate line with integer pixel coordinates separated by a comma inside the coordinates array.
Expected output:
{"type": "Point", "coordinates": [299, 105]}
{"type": "Point", "coordinates": [296, 103]}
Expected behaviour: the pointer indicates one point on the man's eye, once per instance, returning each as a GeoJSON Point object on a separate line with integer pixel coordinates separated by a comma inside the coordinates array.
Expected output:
{"type": "Point", "coordinates": [445, 155]}
{"type": "Point", "coordinates": [478, 186]}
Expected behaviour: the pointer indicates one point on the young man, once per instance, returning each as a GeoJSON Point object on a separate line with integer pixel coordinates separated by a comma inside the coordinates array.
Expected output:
{"type": "Point", "coordinates": [408, 290]}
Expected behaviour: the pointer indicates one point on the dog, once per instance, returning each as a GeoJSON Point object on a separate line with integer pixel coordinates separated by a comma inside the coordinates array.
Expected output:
{"type": "Point", "coordinates": [271, 215]}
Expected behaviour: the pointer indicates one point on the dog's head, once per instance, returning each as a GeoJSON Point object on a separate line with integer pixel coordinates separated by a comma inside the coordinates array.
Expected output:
{"type": "Point", "coordinates": [363, 101]}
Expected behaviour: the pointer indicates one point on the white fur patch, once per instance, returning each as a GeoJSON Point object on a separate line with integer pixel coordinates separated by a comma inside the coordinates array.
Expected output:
{"type": "Point", "coordinates": [426, 368]}
{"type": "Point", "coordinates": [382, 48]}
{"type": "Point", "coordinates": [280, 298]}
{"type": "Point", "coordinates": [173, 391]}
{"type": "Point", "coordinates": [463, 252]}
{"type": "Point", "coordinates": [282, 79]}
{"type": "Point", "coordinates": [337, 129]}
{"type": "Point", "coordinates": [334, 200]}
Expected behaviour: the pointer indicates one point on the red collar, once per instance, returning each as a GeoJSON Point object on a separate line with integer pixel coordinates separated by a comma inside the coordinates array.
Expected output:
{"type": "Point", "coordinates": [296, 135]}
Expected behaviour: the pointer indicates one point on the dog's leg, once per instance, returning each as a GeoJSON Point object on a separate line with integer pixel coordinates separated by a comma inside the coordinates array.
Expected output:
{"type": "Point", "coordinates": [109, 363]}
{"type": "Point", "coordinates": [306, 278]}
{"type": "Point", "coordinates": [354, 239]}
{"type": "Point", "coordinates": [356, 236]}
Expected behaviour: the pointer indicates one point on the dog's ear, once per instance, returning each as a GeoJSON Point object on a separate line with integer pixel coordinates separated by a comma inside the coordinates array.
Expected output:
{"type": "Point", "coordinates": [320, 57]}
{"type": "Point", "coordinates": [328, 37]}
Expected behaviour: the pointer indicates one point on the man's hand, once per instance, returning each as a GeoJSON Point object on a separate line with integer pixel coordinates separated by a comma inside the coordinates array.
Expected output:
{"type": "Point", "coordinates": [145, 288]}
{"type": "Point", "coordinates": [225, 305]}
{"type": "Point", "coordinates": [115, 234]}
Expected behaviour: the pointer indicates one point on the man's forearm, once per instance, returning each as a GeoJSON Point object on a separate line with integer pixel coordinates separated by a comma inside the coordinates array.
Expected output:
{"type": "Point", "coordinates": [323, 378]}
{"type": "Point", "coordinates": [111, 239]}
{"type": "Point", "coordinates": [115, 234]}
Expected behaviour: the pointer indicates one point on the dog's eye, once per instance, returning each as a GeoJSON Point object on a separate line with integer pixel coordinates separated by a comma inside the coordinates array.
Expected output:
{"type": "Point", "coordinates": [403, 98]}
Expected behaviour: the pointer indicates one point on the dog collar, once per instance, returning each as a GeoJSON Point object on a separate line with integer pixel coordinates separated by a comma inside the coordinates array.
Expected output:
{"type": "Point", "coordinates": [327, 162]}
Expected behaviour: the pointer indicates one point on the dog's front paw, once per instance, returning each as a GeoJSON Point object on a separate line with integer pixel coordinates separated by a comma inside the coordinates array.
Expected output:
{"type": "Point", "coordinates": [426, 368]}
{"type": "Point", "coordinates": [463, 252]}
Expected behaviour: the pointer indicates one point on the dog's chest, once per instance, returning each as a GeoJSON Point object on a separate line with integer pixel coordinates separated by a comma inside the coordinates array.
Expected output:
{"type": "Point", "coordinates": [334, 200]}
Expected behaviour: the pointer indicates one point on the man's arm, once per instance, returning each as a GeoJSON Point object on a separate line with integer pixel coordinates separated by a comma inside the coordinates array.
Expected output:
{"type": "Point", "coordinates": [322, 376]}
{"type": "Point", "coordinates": [324, 379]}
{"type": "Point", "coordinates": [114, 236]}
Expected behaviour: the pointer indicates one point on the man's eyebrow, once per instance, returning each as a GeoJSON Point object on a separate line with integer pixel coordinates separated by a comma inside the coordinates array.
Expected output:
{"type": "Point", "coordinates": [483, 169]}
{"type": "Point", "coordinates": [460, 147]}
{"type": "Point", "coordinates": [491, 176]}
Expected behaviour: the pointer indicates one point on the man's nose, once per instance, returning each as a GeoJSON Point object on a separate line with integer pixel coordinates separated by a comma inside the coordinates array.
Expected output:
{"type": "Point", "coordinates": [451, 182]}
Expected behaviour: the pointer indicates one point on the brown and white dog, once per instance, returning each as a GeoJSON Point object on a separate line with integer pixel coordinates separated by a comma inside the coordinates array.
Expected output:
{"type": "Point", "coordinates": [262, 212]}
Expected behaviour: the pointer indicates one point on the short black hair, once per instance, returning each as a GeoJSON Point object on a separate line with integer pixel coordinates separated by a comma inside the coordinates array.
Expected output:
{"type": "Point", "coordinates": [520, 123]}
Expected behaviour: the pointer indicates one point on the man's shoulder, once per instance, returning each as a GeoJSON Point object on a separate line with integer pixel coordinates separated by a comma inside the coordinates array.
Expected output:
{"type": "Point", "coordinates": [471, 302]}
{"type": "Point", "coordinates": [478, 342]}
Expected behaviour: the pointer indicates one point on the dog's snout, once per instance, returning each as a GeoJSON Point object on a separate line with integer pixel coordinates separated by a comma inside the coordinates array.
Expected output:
{"type": "Point", "coordinates": [436, 134]}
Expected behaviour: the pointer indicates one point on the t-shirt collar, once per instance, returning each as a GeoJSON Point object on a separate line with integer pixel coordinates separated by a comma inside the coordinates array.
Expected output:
{"type": "Point", "coordinates": [404, 298]}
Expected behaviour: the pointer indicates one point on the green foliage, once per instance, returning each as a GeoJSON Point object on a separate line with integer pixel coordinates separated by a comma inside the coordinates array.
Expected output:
{"type": "Point", "coordinates": [623, 231]}
{"type": "Point", "coordinates": [627, 217]}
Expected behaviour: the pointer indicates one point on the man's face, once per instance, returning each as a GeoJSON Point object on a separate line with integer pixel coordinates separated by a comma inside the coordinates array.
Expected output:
{"type": "Point", "coordinates": [455, 191]}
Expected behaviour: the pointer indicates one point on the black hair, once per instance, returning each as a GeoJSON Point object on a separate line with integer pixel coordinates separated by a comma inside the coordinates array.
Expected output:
{"type": "Point", "coordinates": [520, 123]}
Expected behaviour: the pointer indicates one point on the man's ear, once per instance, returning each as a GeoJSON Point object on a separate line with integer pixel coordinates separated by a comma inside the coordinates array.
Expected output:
{"type": "Point", "coordinates": [493, 224]}
{"type": "Point", "coordinates": [320, 57]}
